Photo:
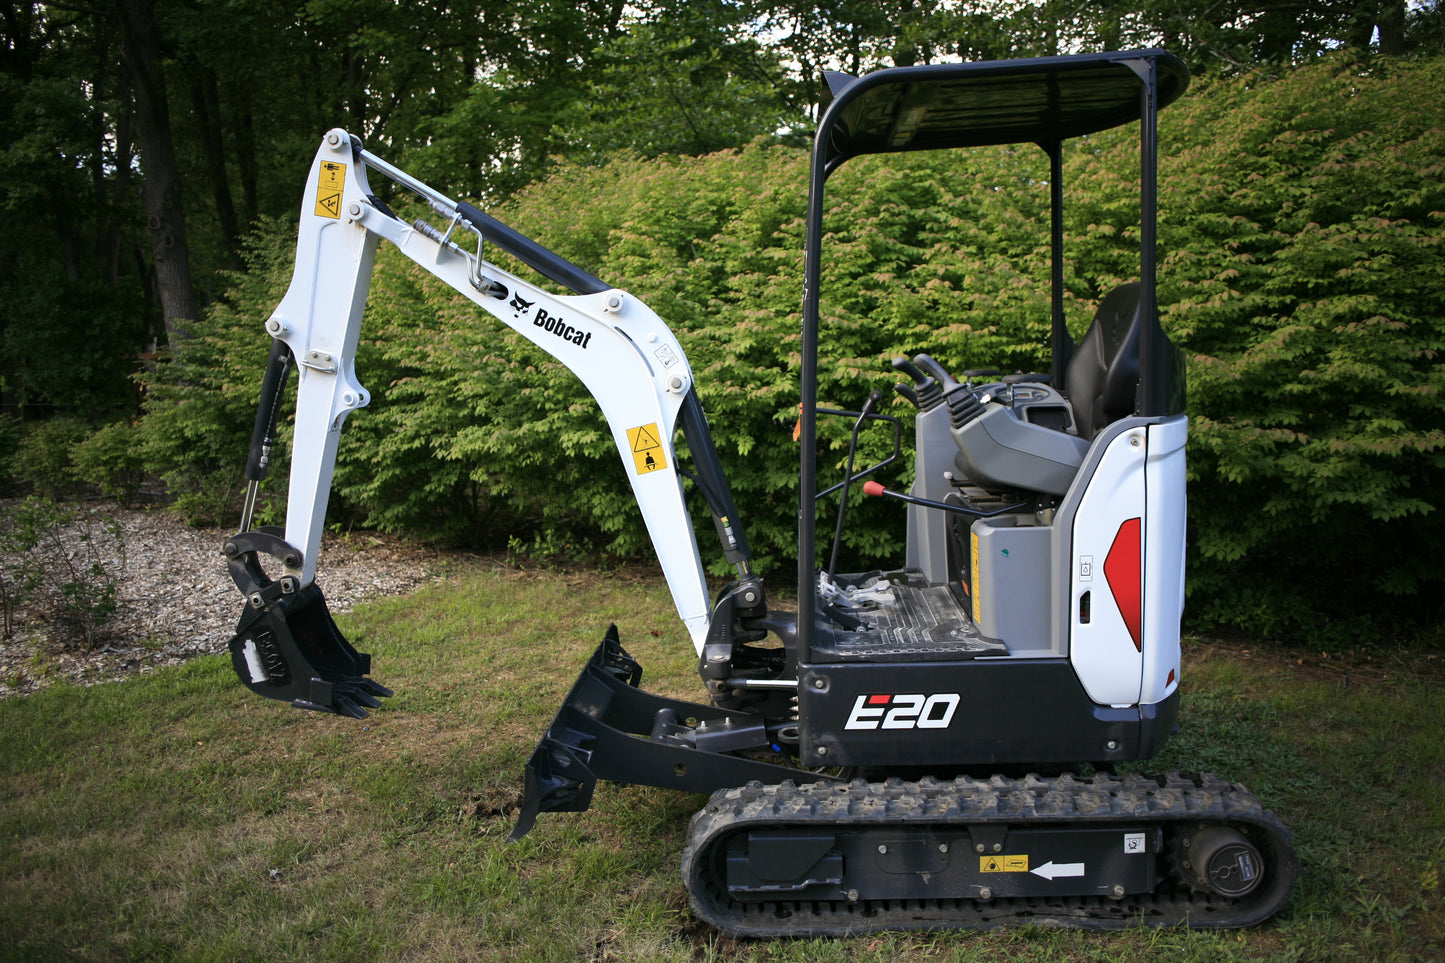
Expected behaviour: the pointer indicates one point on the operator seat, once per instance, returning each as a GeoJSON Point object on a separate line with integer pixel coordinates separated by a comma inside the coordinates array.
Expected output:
{"type": "Point", "coordinates": [1103, 373]}
{"type": "Point", "coordinates": [1001, 447]}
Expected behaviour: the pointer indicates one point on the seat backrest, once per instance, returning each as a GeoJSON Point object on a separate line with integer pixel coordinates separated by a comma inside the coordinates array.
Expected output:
{"type": "Point", "coordinates": [1102, 378]}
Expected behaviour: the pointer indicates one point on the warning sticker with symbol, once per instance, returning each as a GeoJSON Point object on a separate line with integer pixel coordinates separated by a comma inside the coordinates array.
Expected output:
{"type": "Point", "coordinates": [647, 453]}
{"type": "Point", "coordinates": [330, 181]}
{"type": "Point", "coordinates": [1004, 864]}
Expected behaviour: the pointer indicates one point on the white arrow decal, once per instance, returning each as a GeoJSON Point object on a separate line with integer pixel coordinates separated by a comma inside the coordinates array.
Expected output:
{"type": "Point", "coordinates": [1052, 870]}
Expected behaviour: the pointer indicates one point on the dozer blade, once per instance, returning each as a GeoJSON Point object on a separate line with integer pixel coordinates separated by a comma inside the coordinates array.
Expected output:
{"type": "Point", "coordinates": [290, 649]}
{"type": "Point", "coordinates": [608, 728]}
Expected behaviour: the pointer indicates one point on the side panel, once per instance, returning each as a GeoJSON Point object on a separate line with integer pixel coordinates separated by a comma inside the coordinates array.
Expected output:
{"type": "Point", "coordinates": [1106, 579]}
{"type": "Point", "coordinates": [1010, 563]}
{"type": "Point", "coordinates": [978, 712]}
{"type": "Point", "coordinates": [1164, 557]}
{"type": "Point", "coordinates": [927, 545]}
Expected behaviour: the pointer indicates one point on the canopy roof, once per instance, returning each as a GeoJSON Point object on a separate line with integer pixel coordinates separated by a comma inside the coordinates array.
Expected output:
{"type": "Point", "coordinates": [1041, 100]}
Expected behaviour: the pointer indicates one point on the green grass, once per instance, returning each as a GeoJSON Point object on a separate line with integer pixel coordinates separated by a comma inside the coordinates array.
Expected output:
{"type": "Point", "coordinates": [177, 816]}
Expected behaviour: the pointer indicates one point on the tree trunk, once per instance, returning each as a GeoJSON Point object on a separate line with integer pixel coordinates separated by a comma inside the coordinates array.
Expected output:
{"type": "Point", "coordinates": [245, 140]}
{"type": "Point", "coordinates": [161, 187]}
{"type": "Point", "coordinates": [206, 101]}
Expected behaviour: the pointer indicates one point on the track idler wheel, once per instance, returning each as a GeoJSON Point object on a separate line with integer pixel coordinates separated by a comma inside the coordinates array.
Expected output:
{"type": "Point", "coordinates": [1221, 860]}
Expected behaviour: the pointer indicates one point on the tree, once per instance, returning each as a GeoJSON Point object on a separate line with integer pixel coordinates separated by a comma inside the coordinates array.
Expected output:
{"type": "Point", "coordinates": [135, 149]}
{"type": "Point", "coordinates": [171, 146]}
{"type": "Point", "coordinates": [72, 312]}
{"type": "Point", "coordinates": [688, 78]}
{"type": "Point", "coordinates": [1224, 35]}
{"type": "Point", "coordinates": [171, 256]}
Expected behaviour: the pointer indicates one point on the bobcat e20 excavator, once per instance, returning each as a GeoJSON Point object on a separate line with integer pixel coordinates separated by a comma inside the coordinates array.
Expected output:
{"type": "Point", "coordinates": [896, 753]}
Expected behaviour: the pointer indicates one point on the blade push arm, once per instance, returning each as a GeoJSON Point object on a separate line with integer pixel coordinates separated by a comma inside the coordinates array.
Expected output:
{"type": "Point", "coordinates": [625, 355]}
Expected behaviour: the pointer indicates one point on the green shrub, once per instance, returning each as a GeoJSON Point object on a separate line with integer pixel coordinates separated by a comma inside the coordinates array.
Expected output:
{"type": "Point", "coordinates": [62, 563]}
{"type": "Point", "coordinates": [44, 455]}
{"type": "Point", "coordinates": [1301, 273]}
{"type": "Point", "coordinates": [112, 460]}
{"type": "Point", "coordinates": [200, 402]}
{"type": "Point", "coordinates": [1306, 278]}
{"type": "Point", "coordinates": [9, 442]}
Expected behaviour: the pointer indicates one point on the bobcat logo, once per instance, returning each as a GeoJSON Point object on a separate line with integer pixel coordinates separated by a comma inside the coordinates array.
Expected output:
{"type": "Point", "coordinates": [520, 306]}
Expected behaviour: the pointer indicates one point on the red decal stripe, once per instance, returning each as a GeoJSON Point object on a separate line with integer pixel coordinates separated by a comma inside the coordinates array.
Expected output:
{"type": "Point", "coordinates": [1124, 569]}
{"type": "Point", "coordinates": [879, 700]}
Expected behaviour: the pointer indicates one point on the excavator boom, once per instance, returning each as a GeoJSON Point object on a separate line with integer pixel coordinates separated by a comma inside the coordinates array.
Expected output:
{"type": "Point", "coordinates": [620, 350]}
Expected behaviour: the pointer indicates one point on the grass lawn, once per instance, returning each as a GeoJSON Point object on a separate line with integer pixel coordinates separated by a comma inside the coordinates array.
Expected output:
{"type": "Point", "coordinates": [177, 816]}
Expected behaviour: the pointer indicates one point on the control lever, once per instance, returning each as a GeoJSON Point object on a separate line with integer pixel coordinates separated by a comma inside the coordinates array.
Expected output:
{"type": "Point", "coordinates": [871, 487]}
{"type": "Point", "coordinates": [868, 407]}
{"type": "Point", "coordinates": [909, 368]}
{"type": "Point", "coordinates": [935, 370]}
{"type": "Point", "coordinates": [926, 387]}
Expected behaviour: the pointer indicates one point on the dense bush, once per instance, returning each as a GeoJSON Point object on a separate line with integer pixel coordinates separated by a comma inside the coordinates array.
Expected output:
{"type": "Point", "coordinates": [1300, 272]}
{"type": "Point", "coordinates": [10, 433]}
{"type": "Point", "coordinates": [112, 459]}
{"type": "Point", "coordinates": [200, 403]}
{"type": "Point", "coordinates": [44, 454]}
{"type": "Point", "coordinates": [1306, 278]}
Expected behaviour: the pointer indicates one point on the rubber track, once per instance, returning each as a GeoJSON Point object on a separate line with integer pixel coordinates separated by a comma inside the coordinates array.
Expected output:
{"type": "Point", "coordinates": [1031, 801]}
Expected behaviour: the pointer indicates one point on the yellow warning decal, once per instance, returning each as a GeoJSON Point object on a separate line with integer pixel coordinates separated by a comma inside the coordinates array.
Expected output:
{"type": "Point", "coordinates": [330, 181]}
{"type": "Point", "coordinates": [973, 568]}
{"type": "Point", "coordinates": [1003, 864]}
{"type": "Point", "coordinates": [647, 452]}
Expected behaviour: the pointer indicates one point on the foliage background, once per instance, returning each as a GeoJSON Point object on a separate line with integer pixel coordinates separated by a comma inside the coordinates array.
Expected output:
{"type": "Point", "coordinates": [1301, 273]}
{"type": "Point", "coordinates": [142, 140]}
{"type": "Point", "coordinates": [149, 159]}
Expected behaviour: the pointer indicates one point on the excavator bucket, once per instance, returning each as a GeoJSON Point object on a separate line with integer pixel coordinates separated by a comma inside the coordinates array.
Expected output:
{"type": "Point", "coordinates": [289, 648]}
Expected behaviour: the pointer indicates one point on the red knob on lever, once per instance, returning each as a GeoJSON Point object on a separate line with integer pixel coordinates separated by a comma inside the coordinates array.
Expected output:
{"type": "Point", "coordinates": [871, 487]}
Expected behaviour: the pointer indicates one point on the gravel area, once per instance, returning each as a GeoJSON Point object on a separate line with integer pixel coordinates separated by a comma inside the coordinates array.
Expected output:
{"type": "Point", "coordinates": [176, 600]}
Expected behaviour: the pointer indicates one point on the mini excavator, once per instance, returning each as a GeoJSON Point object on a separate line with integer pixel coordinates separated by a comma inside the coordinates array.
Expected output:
{"type": "Point", "coordinates": [927, 744]}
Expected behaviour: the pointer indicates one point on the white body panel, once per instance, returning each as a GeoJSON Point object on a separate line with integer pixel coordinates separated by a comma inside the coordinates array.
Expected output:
{"type": "Point", "coordinates": [1124, 641]}
{"type": "Point", "coordinates": [1164, 558]}
{"type": "Point", "coordinates": [625, 355]}
{"type": "Point", "coordinates": [1101, 647]}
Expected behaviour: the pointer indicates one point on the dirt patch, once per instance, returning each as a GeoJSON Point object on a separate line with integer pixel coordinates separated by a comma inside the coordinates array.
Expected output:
{"type": "Point", "coordinates": [177, 601]}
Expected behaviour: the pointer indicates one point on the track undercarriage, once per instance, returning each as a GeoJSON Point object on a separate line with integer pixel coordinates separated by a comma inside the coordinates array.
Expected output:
{"type": "Point", "coordinates": [1105, 852]}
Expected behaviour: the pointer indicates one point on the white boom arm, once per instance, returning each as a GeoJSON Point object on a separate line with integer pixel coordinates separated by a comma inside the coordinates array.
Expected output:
{"type": "Point", "coordinates": [625, 355]}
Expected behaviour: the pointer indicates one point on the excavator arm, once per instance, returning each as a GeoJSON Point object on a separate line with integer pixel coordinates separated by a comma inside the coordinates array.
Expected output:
{"type": "Point", "coordinates": [286, 645]}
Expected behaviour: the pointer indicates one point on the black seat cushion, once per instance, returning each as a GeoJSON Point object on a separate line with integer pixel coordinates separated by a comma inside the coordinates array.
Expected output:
{"type": "Point", "coordinates": [1103, 374]}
